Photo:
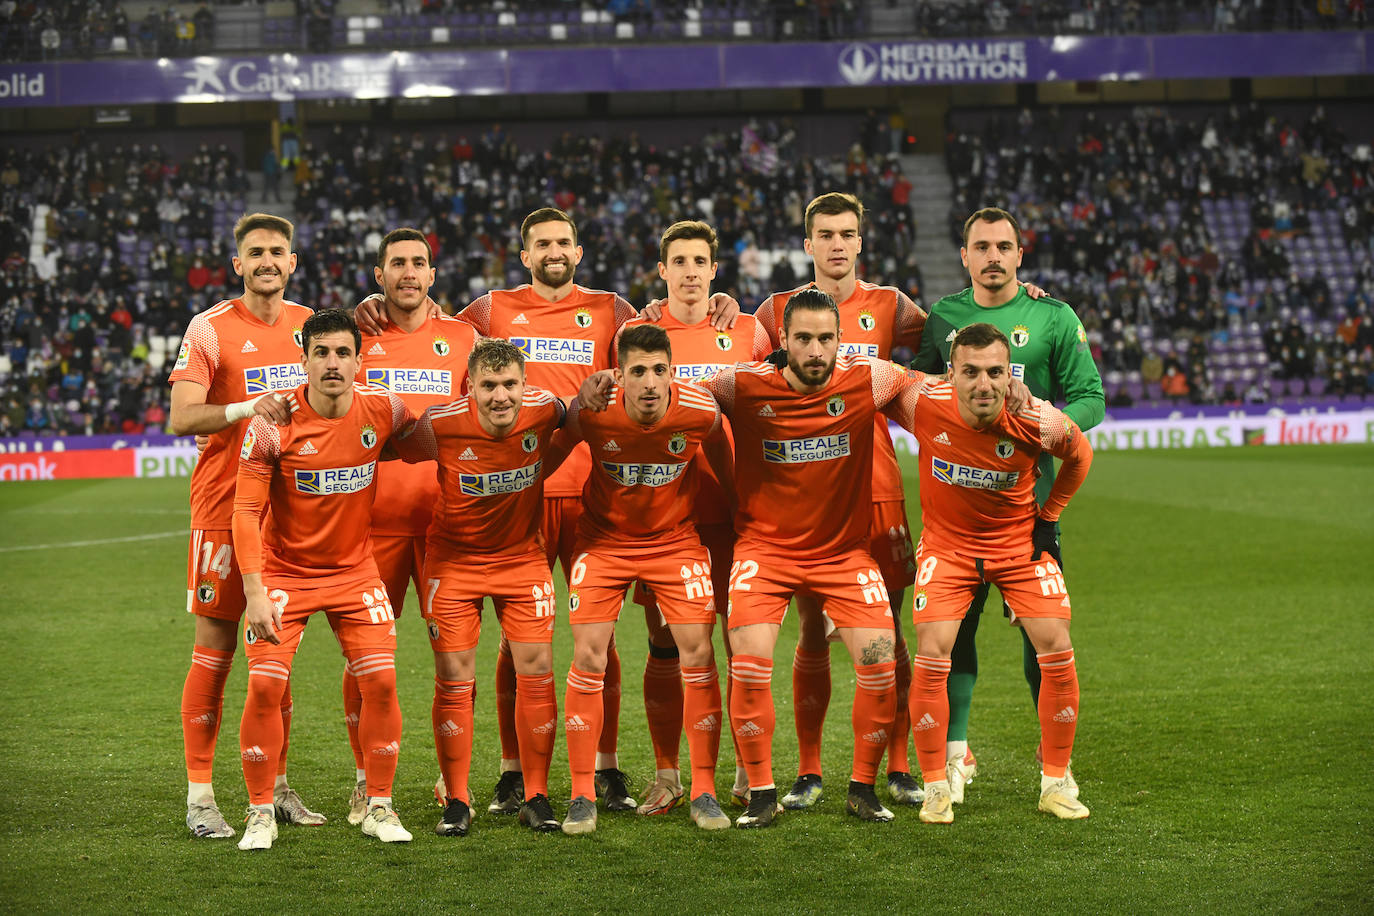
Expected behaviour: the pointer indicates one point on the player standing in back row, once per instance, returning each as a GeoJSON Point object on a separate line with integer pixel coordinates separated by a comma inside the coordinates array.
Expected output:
{"type": "Point", "coordinates": [1050, 353]}
{"type": "Point", "coordinates": [234, 356]}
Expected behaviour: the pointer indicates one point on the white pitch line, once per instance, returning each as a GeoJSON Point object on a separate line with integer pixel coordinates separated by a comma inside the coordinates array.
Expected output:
{"type": "Point", "coordinates": [136, 537]}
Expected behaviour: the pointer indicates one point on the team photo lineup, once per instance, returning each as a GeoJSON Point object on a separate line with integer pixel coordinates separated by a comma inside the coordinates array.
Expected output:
{"type": "Point", "coordinates": [709, 464]}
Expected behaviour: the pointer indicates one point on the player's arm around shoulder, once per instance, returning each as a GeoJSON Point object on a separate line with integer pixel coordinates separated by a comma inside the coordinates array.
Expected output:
{"type": "Point", "coordinates": [565, 437]}
{"type": "Point", "coordinates": [716, 447]}
{"type": "Point", "coordinates": [257, 463]}
{"type": "Point", "coordinates": [402, 422]}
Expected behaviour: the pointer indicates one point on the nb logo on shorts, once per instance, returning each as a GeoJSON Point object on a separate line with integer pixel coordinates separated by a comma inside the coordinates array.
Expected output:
{"type": "Point", "coordinates": [874, 590]}
{"type": "Point", "coordinates": [1051, 579]}
{"type": "Point", "coordinates": [696, 581]}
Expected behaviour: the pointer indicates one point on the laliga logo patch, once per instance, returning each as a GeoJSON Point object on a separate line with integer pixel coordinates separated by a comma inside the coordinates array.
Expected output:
{"type": "Point", "coordinates": [205, 592]}
{"type": "Point", "coordinates": [920, 602]}
{"type": "Point", "coordinates": [368, 436]}
{"type": "Point", "coordinates": [441, 346]}
{"type": "Point", "coordinates": [582, 318]}
{"type": "Point", "coordinates": [867, 321]}
{"type": "Point", "coordinates": [677, 443]}
{"type": "Point", "coordinates": [1082, 335]}
{"type": "Point", "coordinates": [248, 441]}
{"type": "Point", "coordinates": [184, 355]}
{"type": "Point", "coordinates": [296, 336]}
{"type": "Point", "coordinates": [835, 406]}
{"type": "Point", "coordinates": [433, 628]}
{"type": "Point", "coordinates": [724, 341]}
{"type": "Point", "coordinates": [530, 442]}
{"type": "Point", "coordinates": [1020, 335]}
{"type": "Point", "coordinates": [1005, 448]}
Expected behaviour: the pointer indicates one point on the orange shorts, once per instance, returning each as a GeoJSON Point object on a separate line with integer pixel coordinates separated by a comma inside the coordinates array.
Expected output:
{"type": "Point", "coordinates": [889, 540]}
{"type": "Point", "coordinates": [214, 587]}
{"type": "Point", "coordinates": [400, 560]}
{"type": "Point", "coordinates": [719, 541]}
{"type": "Point", "coordinates": [946, 582]}
{"type": "Point", "coordinates": [360, 615]}
{"type": "Point", "coordinates": [848, 585]}
{"type": "Point", "coordinates": [520, 588]}
{"type": "Point", "coordinates": [560, 528]}
{"type": "Point", "coordinates": [679, 576]}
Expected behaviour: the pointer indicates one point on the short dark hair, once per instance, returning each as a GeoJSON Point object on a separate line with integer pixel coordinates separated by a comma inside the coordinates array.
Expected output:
{"type": "Point", "coordinates": [833, 204]}
{"type": "Point", "coordinates": [809, 300]}
{"type": "Point", "coordinates": [492, 354]}
{"type": "Point", "coordinates": [688, 229]}
{"type": "Point", "coordinates": [328, 321]}
{"type": "Point", "coordinates": [976, 337]}
{"type": "Point", "coordinates": [545, 215]}
{"type": "Point", "coordinates": [647, 337]}
{"type": "Point", "coordinates": [992, 215]}
{"type": "Point", "coordinates": [403, 234]}
{"type": "Point", "coordinates": [251, 221]}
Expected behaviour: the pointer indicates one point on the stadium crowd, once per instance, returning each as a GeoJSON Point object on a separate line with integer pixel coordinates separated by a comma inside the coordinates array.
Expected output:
{"type": "Point", "coordinates": [1133, 238]}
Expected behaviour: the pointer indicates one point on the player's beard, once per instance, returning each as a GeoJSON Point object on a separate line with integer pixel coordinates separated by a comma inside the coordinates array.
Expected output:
{"type": "Point", "coordinates": [542, 274]}
{"type": "Point", "coordinates": [805, 374]}
{"type": "Point", "coordinates": [994, 282]}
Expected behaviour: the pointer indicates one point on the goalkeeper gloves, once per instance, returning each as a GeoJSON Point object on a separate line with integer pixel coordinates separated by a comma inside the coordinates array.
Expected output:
{"type": "Point", "coordinates": [1045, 539]}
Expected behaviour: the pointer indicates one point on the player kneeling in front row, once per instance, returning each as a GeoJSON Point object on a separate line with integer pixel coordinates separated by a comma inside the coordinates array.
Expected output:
{"type": "Point", "coordinates": [981, 525]}
{"type": "Point", "coordinates": [637, 524]}
{"type": "Point", "coordinates": [313, 553]}
{"type": "Point", "coordinates": [491, 447]}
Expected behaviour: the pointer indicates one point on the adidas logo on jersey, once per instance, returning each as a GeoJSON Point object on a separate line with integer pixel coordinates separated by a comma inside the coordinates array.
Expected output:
{"type": "Point", "coordinates": [308, 449]}
{"type": "Point", "coordinates": [574, 723]}
{"type": "Point", "coordinates": [468, 455]}
{"type": "Point", "coordinates": [545, 729]}
{"type": "Point", "coordinates": [248, 347]}
{"type": "Point", "coordinates": [942, 438]}
{"type": "Point", "coordinates": [1066, 714]}
{"type": "Point", "coordinates": [749, 729]}
{"type": "Point", "coordinates": [926, 722]}
{"type": "Point", "coordinates": [450, 729]}
{"type": "Point", "coordinates": [376, 350]}
{"type": "Point", "coordinates": [254, 754]}
{"type": "Point", "coordinates": [877, 737]}
{"type": "Point", "coordinates": [520, 319]}
{"type": "Point", "coordinates": [952, 335]}
{"type": "Point", "coordinates": [610, 447]}
{"type": "Point", "coordinates": [767, 411]}
{"type": "Point", "coordinates": [390, 750]}
{"type": "Point", "coordinates": [708, 724]}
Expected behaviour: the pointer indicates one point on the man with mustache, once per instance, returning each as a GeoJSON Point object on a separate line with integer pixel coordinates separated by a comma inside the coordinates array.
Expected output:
{"type": "Point", "coordinates": [1050, 353]}
{"type": "Point", "coordinates": [235, 356]}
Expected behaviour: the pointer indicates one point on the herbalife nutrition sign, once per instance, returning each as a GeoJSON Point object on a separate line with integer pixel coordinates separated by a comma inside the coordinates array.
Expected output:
{"type": "Point", "coordinates": [935, 62]}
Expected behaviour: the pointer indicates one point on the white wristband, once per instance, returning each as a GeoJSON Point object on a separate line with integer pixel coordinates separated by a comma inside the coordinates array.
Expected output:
{"type": "Point", "coordinates": [242, 410]}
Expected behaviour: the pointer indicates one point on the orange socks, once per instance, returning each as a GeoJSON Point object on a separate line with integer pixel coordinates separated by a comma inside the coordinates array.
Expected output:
{"type": "Point", "coordinates": [1058, 708]}
{"type": "Point", "coordinates": [202, 703]}
{"type": "Point", "coordinates": [752, 717]}
{"type": "Point", "coordinates": [898, 760]}
{"type": "Point", "coordinates": [536, 717]}
{"type": "Point", "coordinates": [583, 708]}
{"type": "Point", "coordinates": [352, 704]}
{"type": "Point", "coordinates": [260, 730]}
{"type": "Point", "coordinates": [701, 712]}
{"type": "Point", "coordinates": [452, 718]}
{"type": "Point", "coordinates": [873, 712]}
{"type": "Point", "coordinates": [610, 698]}
{"type": "Point", "coordinates": [505, 704]}
{"type": "Point", "coordinates": [663, 699]}
{"type": "Point", "coordinates": [810, 699]}
{"type": "Point", "coordinates": [379, 726]}
{"type": "Point", "coordinates": [930, 715]}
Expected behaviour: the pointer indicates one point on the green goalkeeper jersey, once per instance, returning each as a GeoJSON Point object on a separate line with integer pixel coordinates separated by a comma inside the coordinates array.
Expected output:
{"type": "Point", "coordinates": [1049, 352]}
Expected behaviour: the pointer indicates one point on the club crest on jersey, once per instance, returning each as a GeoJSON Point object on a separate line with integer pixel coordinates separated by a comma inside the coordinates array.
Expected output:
{"type": "Point", "coordinates": [248, 441]}
{"type": "Point", "coordinates": [530, 442]}
{"type": "Point", "coordinates": [296, 336]}
{"type": "Point", "coordinates": [1020, 335]}
{"type": "Point", "coordinates": [205, 592]}
{"type": "Point", "coordinates": [677, 443]}
{"type": "Point", "coordinates": [867, 322]}
{"type": "Point", "coordinates": [573, 601]}
{"type": "Point", "coordinates": [724, 341]}
{"type": "Point", "coordinates": [433, 628]}
{"type": "Point", "coordinates": [582, 318]}
{"type": "Point", "coordinates": [369, 436]}
{"type": "Point", "coordinates": [249, 636]}
{"type": "Point", "coordinates": [920, 602]}
{"type": "Point", "coordinates": [835, 406]}
{"type": "Point", "coordinates": [1005, 448]}
{"type": "Point", "coordinates": [441, 347]}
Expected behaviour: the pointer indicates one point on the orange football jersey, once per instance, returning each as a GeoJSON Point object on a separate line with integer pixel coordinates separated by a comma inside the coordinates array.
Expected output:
{"type": "Point", "coordinates": [563, 342]}
{"type": "Point", "coordinates": [643, 485]}
{"type": "Point", "coordinates": [978, 486]}
{"type": "Point", "coordinates": [235, 356]}
{"type": "Point", "coordinates": [490, 490]}
{"type": "Point", "coordinates": [315, 478]}
{"type": "Point", "coordinates": [699, 350]}
{"type": "Point", "coordinates": [873, 320]}
{"type": "Point", "coordinates": [802, 461]}
{"type": "Point", "coordinates": [425, 367]}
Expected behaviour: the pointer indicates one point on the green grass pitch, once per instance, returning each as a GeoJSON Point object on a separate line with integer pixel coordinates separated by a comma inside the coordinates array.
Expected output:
{"type": "Point", "coordinates": [1224, 628]}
